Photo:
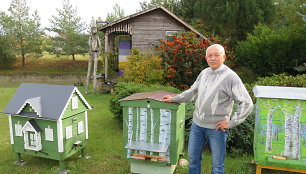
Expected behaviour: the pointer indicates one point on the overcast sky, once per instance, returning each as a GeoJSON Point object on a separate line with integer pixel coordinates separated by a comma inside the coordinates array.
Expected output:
{"type": "Point", "coordinates": [86, 9]}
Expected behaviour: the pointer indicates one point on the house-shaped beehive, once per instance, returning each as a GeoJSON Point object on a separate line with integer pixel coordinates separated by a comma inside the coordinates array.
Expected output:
{"type": "Point", "coordinates": [153, 132]}
{"type": "Point", "coordinates": [48, 121]}
{"type": "Point", "coordinates": [280, 129]}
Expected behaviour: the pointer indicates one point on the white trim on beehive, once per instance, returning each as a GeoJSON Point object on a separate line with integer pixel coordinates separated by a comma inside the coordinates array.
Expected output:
{"type": "Point", "coordinates": [60, 143]}
{"type": "Point", "coordinates": [11, 129]}
{"type": "Point", "coordinates": [280, 92]}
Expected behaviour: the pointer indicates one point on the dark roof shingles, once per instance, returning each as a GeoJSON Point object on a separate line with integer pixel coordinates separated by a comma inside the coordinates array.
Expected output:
{"type": "Point", "coordinates": [53, 98]}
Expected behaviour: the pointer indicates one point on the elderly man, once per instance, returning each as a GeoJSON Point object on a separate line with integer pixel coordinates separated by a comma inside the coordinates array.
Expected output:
{"type": "Point", "coordinates": [215, 91]}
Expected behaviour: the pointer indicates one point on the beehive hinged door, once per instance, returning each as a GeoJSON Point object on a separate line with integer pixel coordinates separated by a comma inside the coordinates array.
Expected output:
{"type": "Point", "coordinates": [149, 131]}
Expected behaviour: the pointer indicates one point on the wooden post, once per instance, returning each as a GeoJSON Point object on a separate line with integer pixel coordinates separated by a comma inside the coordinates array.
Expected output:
{"type": "Point", "coordinates": [83, 152]}
{"type": "Point", "coordinates": [95, 57]}
{"type": "Point", "coordinates": [18, 155]}
{"type": "Point", "coordinates": [106, 56]}
{"type": "Point", "coordinates": [62, 165]}
{"type": "Point", "coordinates": [88, 73]}
{"type": "Point", "coordinates": [258, 169]}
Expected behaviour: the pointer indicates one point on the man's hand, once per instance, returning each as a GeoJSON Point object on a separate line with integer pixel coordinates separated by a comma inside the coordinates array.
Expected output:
{"type": "Point", "coordinates": [167, 98]}
{"type": "Point", "coordinates": [222, 125]}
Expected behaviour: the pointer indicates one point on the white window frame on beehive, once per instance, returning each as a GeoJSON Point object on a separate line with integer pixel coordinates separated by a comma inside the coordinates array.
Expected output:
{"type": "Point", "coordinates": [18, 131]}
{"type": "Point", "coordinates": [49, 134]}
{"type": "Point", "coordinates": [74, 102]}
{"type": "Point", "coordinates": [80, 127]}
{"type": "Point", "coordinates": [69, 132]}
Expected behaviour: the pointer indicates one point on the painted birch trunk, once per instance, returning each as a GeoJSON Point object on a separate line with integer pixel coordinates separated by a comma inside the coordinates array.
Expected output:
{"type": "Point", "coordinates": [152, 128]}
{"type": "Point", "coordinates": [165, 123]}
{"type": "Point", "coordinates": [143, 127]}
{"type": "Point", "coordinates": [288, 134]}
{"type": "Point", "coordinates": [130, 129]}
{"type": "Point", "coordinates": [296, 134]}
{"type": "Point", "coordinates": [269, 131]}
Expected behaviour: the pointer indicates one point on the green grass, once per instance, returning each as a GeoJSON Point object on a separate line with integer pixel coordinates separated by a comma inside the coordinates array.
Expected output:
{"type": "Point", "coordinates": [105, 147]}
{"type": "Point", "coordinates": [51, 65]}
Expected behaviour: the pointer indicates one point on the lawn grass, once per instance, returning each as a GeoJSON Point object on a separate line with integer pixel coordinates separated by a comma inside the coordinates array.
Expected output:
{"type": "Point", "coordinates": [105, 147]}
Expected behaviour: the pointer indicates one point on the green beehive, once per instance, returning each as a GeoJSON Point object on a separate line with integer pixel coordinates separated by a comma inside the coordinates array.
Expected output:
{"type": "Point", "coordinates": [280, 129]}
{"type": "Point", "coordinates": [48, 121]}
{"type": "Point", "coordinates": [153, 132]}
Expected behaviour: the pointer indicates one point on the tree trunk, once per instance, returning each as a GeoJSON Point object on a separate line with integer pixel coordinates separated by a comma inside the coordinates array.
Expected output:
{"type": "Point", "coordinates": [23, 58]}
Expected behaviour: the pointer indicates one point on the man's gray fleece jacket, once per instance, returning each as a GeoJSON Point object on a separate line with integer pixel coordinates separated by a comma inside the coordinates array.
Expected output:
{"type": "Point", "coordinates": [215, 93]}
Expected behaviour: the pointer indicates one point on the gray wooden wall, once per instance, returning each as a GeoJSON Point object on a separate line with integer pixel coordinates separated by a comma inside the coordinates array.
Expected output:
{"type": "Point", "coordinates": [148, 28]}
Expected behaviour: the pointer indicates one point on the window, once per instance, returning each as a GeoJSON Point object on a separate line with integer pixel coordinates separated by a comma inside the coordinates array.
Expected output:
{"type": "Point", "coordinates": [49, 134]}
{"type": "Point", "coordinates": [32, 139]}
{"type": "Point", "coordinates": [68, 132]}
{"type": "Point", "coordinates": [80, 127]}
{"type": "Point", "coordinates": [171, 32]}
{"type": "Point", "coordinates": [74, 102]}
{"type": "Point", "coordinates": [18, 131]}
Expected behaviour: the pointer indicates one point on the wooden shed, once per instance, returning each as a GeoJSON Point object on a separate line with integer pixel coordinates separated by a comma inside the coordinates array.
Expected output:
{"type": "Point", "coordinates": [145, 28]}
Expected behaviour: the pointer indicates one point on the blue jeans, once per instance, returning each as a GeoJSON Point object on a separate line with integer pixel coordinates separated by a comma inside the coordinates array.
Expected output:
{"type": "Point", "coordinates": [198, 138]}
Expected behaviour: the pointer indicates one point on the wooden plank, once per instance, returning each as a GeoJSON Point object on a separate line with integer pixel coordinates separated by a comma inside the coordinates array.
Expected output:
{"type": "Point", "coordinates": [259, 167]}
{"type": "Point", "coordinates": [149, 157]}
{"type": "Point", "coordinates": [279, 157]}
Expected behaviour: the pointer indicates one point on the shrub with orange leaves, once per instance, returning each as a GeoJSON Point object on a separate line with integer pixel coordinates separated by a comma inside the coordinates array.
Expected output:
{"type": "Point", "coordinates": [184, 58]}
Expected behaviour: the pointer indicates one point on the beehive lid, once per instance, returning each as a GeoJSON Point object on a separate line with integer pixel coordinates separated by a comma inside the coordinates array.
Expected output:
{"type": "Point", "coordinates": [146, 146]}
{"type": "Point", "coordinates": [156, 95]}
{"type": "Point", "coordinates": [280, 92]}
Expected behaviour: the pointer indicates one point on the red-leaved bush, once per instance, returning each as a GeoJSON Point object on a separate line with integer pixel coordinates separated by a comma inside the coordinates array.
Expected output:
{"type": "Point", "coordinates": [184, 58]}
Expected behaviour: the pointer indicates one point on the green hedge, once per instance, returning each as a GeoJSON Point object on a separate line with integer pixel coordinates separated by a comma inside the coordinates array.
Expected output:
{"type": "Point", "coordinates": [268, 51]}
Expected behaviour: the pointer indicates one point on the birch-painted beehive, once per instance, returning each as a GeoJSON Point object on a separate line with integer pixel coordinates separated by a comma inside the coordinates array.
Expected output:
{"type": "Point", "coordinates": [280, 127]}
{"type": "Point", "coordinates": [153, 132]}
{"type": "Point", "coordinates": [48, 121]}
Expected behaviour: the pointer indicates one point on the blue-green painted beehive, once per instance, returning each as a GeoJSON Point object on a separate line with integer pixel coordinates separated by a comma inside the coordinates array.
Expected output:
{"type": "Point", "coordinates": [280, 128]}
{"type": "Point", "coordinates": [153, 132]}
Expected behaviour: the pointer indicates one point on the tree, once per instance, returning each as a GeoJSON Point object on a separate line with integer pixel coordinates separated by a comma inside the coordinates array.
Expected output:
{"type": "Point", "coordinates": [168, 4]}
{"type": "Point", "coordinates": [23, 30]}
{"type": "Point", "coordinates": [7, 57]}
{"type": "Point", "coordinates": [233, 18]}
{"type": "Point", "coordinates": [69, 39]}
{"type": "Point", "coordinates": [117, 13]}
{"type": "Point", "coordinates": [288, 12]}
{"type": "Point", "coordinates": [268, 51]}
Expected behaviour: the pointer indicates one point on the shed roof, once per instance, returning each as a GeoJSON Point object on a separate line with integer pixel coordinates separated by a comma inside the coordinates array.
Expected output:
{"type": "Point", "coordinates": [50, 100]}
{"type": "Point", "coordinates": [105, 27]}
{"type": "Point", "coordinates": [280, 92]}
{"type": "Point", "coordinates": [156, 95]}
